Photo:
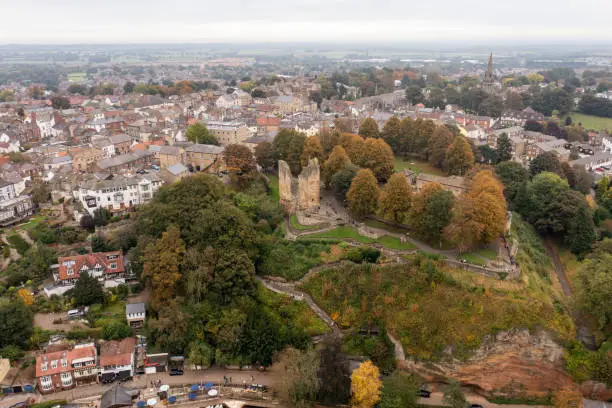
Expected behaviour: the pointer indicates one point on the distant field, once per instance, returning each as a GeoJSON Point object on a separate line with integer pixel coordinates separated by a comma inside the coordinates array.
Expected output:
{"type": "Point", "coordinates": [590, 122]}
{"type": "Point", "coordinates": [416, 165]}
{"type": "Point", "coordinates": [77, 76]}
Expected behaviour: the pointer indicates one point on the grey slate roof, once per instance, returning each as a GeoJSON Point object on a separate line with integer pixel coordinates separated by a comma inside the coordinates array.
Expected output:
{"type": "Point", "coordinates": [132, 308]}
{"type": "Point", "coordinates": [203, 148]}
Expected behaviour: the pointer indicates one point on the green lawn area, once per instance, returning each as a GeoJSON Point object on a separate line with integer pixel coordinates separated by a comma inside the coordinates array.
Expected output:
{"type": "Point", "coordinates": [479, 257]}
{"type": "Point", "coordinates": [382, 225]}
{"type": "Point", "coordinates": [341, 233]}
{"type": "Point", "coordinates": [417, 165]}
{"type": "Point", "coordinates": [274, 192]}
{"type": "Point", "coordinates": [338, 234]}
{"type": "Point", "coordinates": [32, 223]}
{"type": "Point", "coordinates": [590, 122]}
{"type": "Point", "coordinates": [300, 227]}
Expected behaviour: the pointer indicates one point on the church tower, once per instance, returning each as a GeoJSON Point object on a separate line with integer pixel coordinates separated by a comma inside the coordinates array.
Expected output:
{"type": "Point", "coordinates": [488, 82]}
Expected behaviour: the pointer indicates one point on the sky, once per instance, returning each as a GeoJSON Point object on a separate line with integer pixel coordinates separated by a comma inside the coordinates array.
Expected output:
{"type": "Point", "coordinates": [179, 21]}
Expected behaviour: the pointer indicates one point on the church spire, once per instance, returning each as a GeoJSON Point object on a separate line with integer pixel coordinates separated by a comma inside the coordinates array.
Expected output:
{"type": "Point", "coordinates": [490, 68]}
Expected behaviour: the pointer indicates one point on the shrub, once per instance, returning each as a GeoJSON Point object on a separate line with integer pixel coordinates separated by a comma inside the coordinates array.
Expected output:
{"type": "Point", "coordinates": [116, 330]}
{"type": "Point", "coordinates": [12, 352]}
{"type": "Point", "coordinates": [49, 404]}
{"type": "Point", "coordinates": [18, 243]}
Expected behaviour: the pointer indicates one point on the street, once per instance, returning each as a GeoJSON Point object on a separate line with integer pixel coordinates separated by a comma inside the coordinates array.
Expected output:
{"type": "Point", "coordinates": [214, 375]}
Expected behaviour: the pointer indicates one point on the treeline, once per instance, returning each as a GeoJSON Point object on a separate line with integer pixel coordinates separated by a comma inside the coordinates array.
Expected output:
{"type": "Point", "coordinates": [592, 105]}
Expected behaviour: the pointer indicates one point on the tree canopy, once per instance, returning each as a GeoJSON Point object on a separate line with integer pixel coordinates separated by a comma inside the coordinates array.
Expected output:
{"type": "Point", "coordinates": [363, 194]}
{"type": "Point", "coordinates": [199, 133]}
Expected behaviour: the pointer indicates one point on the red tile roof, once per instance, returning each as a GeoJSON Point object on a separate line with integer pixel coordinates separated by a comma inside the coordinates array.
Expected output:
{"type": "Point", "coordinates": [69, 355]}
{"type": "Point", "coordinates": [90, 261]}
{"type": "Point", "coordinates": [117, 352]}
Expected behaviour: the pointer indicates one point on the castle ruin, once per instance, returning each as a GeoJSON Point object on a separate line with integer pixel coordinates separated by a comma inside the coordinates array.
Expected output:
{"type": "Point", "coordinates": [301, 194]}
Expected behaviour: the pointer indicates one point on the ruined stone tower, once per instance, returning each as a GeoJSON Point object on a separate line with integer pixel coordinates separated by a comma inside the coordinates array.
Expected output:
{"type": "Point", "coordinates": [301, 194]}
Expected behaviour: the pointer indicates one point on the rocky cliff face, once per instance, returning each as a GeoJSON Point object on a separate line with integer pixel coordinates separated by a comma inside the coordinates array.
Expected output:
{"type": "Point", "coordinates": [512, 363]}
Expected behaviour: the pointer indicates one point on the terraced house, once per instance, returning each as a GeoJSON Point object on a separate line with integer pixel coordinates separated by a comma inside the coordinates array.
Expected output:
{"type": "Point", "coordinates": [105, 266]}
{"type": "Point", "coordinates": [64, 369]}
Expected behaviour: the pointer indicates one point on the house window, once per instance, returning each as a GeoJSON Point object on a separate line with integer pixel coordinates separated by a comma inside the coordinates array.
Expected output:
{"type": "Point", "coordinates": [43, 367]}
{"type": "Point", "coordinates": [64, 362]}
{"type": "Point", "coordinates": [45, 382]}
{"type": "Point", "coordinates": [66, 379]}
{"type": "Point", "coordinates": [54, 364]}
{"type": "Point", "coordinates": [70, 271]}
{"type": "Point", "coordinates": [113, 265]}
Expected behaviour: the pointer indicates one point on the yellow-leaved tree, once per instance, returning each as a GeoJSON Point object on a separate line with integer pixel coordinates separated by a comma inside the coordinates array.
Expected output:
{"type": "Point", "coordinates": [26, 296]}
{"type": "Point", "coordinates": [365, 385]}
{"type": "Point", "coordinates": [312, 149]}
{"type": "Point", "coordinates": [395, 199]}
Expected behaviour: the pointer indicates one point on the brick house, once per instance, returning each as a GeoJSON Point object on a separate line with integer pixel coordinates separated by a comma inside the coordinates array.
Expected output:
{"type": "Point", "coordinates": [101, 265]}
{"type": "Point", "coordinates": [63, 370]}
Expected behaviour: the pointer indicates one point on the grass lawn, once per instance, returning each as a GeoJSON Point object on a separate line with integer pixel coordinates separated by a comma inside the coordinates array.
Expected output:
{"type": "Point", "coordinates": [382, 225]}
{"type": "Point", "coordinates": [394, 243]}
{"type": "Point", "coordinates": [479, 257]}
{"type": "Point", "coordinates": [274, 192]}
{"type": "Point", "coordinates": [590, 121]}
{"type": "Point", "coordinates": [341, 233]}
{"type": "Point", "coordinates": [76, 76]}
{"type": "Point", "coordinates": [417, 165]}
{"type": "Point", "coordinates": [300, 227]}
{"type": "Point", "coordinates": [32, 223]}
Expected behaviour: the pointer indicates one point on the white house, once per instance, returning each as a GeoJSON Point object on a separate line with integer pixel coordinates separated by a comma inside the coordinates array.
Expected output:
{"type": "Point", "coordinates": [117, 194]}
{"type": "Point", "coordinates": [7, 145]}
{"type": "Point", "coordinates": [135, 314]}
{"type": "Point", "coordinates": [105, 145]}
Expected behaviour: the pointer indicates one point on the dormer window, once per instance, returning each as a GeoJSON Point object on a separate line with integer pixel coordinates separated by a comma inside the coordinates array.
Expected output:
{"type": "Point", "coordinates": [43, 367]}
{"type": "Point", "coordinates": [54, 364]}
{"type": "Point", "coordinates": [64, 362]}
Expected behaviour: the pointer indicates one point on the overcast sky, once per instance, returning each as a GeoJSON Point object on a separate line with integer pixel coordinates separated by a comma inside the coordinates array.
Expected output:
{"type": "Point", "coordinates": [155, 21]}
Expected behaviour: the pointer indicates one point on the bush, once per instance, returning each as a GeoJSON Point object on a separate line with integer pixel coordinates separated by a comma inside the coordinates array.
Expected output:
{"type": "Point", "coordinates": [49, 404]}
{"type": "Point", "coordinates": [12, 352]}
{"type": "Point", "coordinates": [114, 219]}
{"type": "Point", "coordinates": [116, 330]}
{"type": "Point", "coordinates": [18, 243]}
{"type": "Point", "coordinates": [363, 254]}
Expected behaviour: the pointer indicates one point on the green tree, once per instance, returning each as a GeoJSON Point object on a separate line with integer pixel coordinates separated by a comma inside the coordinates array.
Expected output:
{"type": "Point", "coordinates": [199, 133]}
{"type": "Point", "coordinates": [513, 175]}
{"type": "Point", "coordinates": [363, 194]}
{"type": "Point", "coordinates": [264, 154]}
{"type": "Point", "coordinates": [459, 158]}
{"type": "Point", "coordinates": [435, 98]}
{"type": "Point", "coordinates": [60, 102]}
{"type": "Point", "coordinates": [101, 216]}
{"type": "Point", "coordinates": [260, 338]}
{"type": "Point", "coordinates": [234, 275]}
{"type": "Point", "coordinates": [129, 86]}
{"type": "Point", "coordinates": [546, 161]}
{"type": "Point", "coordinates": [504, 148]}
{"type": "Point", "coordinates": [341, 181]}
{"type": "Point", "coordinates": [399, 391]}
{"type": "Point", "coordinates": [337, 160]}
{"type": "Point", "coordinates": [414, 95]}
{"type": "Point", "coordinates": [454, 396]}
{"type": "Point", "coordinates": [88, 290]}
{"type": "Point", "coordinates": [334, 373]}
{"type": "Point", "coordinates": [88, 223]}
{"type": "Point", "coordinates": [288, 146]}
{"type": "Point", "coordinates": [16, 323]}
{"type": "Point", "coordinates": [395, 199]}
{"type": "Point", "coordinates": [198, 267]}
{"type": "Point", "coordinates": [200, 354]}
{"type": "Point", "coordinates": [368, 128]}
{"type": "Point", "coordinates": [595, 287]}
{"type": "Point", "coordinates": [116, 330]}
{"type": "Point", "coordinates": [581, 234]}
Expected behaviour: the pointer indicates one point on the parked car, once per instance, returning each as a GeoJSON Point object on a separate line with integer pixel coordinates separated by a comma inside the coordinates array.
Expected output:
{"type": "Point", "coordinates": [424, 394]}
{"type": "Point", "coordinates": [176, 371]}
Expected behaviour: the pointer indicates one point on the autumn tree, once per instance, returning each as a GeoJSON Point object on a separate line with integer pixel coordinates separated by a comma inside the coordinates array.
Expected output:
{"type": "Point", "coordinates": [26, 296]}
{"type": "Point", "coordinates": [162, 266]}
{"type": "Point", "coordinates": [365, 386]}
{"type": "Point", "coordinates": [395, 198]}
{"type": "Point", "coordinates": [459, 157]}
{"type": "Point", "coordinates": [353, 146]}
{"type": "Point", "coordinates": [437, 145]}
{"type": "Point", "coordinates": [392, 133]}
{"type": "Point", "coordinates": [430, 211]}
{"type": "Point", "coordinates": [329, 139]}
{"type": "Point", "coordinates": [378, 157]}
{"type": "Point", "coordinates": [300, 383]}
{"type": "Point", "coordinates": [312, 149]}
{"type": "Point", "coordinates": [368, 128]}
{"type": "Point", "coordinates": [479, 216]}
{"type": "Point", "coordinates": [264, 154]}
{"type": "Point", "coordinates": [568, 397]}
{"type": "Point", "coordinates": [199, 133]}
{"type": "Point", "coordinates": [337, 160]}
{"type": "Point", "coordinates": [362, 197]}
{"type": "Point", "coordinates": [240, 164]}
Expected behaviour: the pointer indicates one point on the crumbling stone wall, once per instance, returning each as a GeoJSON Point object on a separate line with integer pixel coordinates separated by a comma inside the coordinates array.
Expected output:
{"type": "Point", "coordinates": [301, 194]}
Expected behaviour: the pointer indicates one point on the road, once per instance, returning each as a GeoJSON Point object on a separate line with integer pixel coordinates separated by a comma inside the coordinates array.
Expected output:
{"type": "Point", "coordinates": [270, 378]}
{"type": "Point", "coordinates": [437, 399]}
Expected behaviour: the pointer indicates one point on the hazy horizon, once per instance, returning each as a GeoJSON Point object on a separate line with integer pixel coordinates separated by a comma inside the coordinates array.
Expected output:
{"type": "Point", "coordinates": [64, 22]}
